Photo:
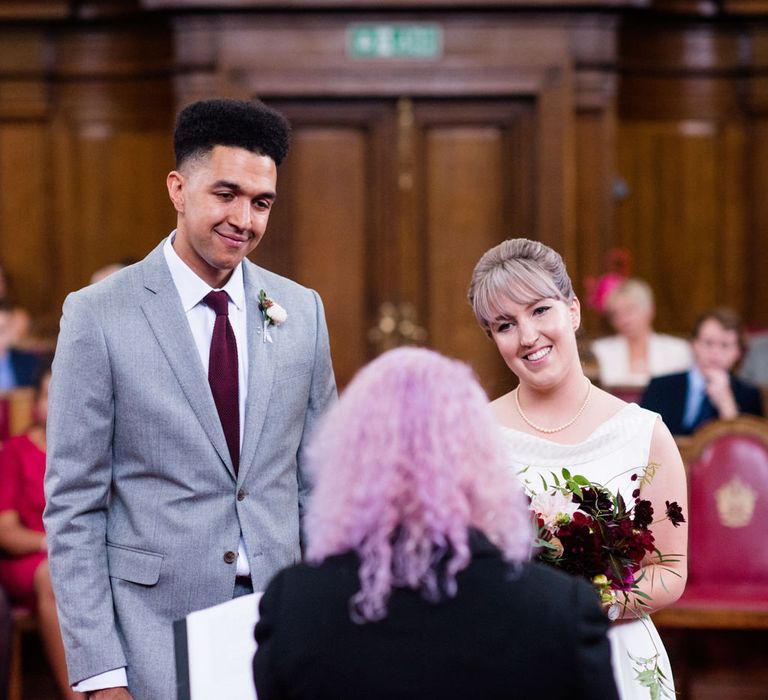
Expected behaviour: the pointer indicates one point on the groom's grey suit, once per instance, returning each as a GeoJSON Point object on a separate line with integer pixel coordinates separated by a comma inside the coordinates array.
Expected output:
{"type": "Point", "coordinates": [144, 510]}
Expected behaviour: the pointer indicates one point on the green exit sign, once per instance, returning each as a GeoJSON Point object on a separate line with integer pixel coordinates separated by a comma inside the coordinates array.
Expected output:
{"type": "Point", "coordinates": [395, 40]}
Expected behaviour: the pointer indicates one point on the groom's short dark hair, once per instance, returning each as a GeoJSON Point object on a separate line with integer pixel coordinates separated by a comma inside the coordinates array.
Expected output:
{"type": "Point", "coordinates": [247, 124]}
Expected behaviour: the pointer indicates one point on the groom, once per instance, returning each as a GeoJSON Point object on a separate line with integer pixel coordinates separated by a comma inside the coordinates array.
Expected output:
{"type": "Point", "coordinates": [180, 403]}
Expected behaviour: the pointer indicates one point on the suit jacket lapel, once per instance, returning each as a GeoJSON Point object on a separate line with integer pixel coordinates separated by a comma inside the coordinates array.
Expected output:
{"type": "Point", "coordinates": [261, 370]}
{"type": "Point", "coordinates": [165, 315]}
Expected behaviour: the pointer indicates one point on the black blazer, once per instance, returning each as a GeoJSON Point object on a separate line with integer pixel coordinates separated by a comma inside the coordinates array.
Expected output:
{"type": "Point", "coordinates": [26, 367]}
{"type": "Point", "coordinates": [666, 395]}
{"type": "Point", "coordinates": [531, 633]}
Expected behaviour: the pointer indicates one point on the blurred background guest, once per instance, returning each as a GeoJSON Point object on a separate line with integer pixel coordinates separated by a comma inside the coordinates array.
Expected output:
{"type": "Point", "coordinates": [416, 585]}
{"type": "Point", "coordinates": [111, 268]}
{"type": "Point", "coordinates": [637, 352]}
{"type": "Point", "coordinates": [23, 552]}
{"type": "Point", "coordinates": [754, 368]}
{"type": "Point", "coordinates": [709, 389]}
{"type": "Point", "coordinates": [17, 368]}
{"type": "Point", "coordinates": [104, 272]}
{"type": "Point", "coordinates": [20, 320]}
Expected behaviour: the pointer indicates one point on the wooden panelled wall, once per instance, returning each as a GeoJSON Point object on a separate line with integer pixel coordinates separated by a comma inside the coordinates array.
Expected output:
{"type": "Point", "coordinates": [692, 128]}
{"type": "Point", "coordinates": [85, 120]}
{"type": "Point", "coordinates": [587, 130]}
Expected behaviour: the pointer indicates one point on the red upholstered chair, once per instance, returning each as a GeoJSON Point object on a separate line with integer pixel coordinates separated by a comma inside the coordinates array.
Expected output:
{"type": "Point", "coordinates": [727, 465]}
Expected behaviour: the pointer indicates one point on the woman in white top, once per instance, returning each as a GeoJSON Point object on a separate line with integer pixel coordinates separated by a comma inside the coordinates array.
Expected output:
{"type": "Point", "coordinates": [523, 298]}
{"type": "Point", "coordinates": [637, 353]}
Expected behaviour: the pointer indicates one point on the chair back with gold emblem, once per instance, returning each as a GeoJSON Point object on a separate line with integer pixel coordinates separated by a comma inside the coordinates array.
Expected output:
{"type": "Point", "coordinates": [727, 465]}
{"type": "Point", "coordinates": [728, 489]}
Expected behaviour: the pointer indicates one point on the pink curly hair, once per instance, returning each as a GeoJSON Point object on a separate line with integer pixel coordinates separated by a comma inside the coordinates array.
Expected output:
{"type": "Point", "coordinates": [405, 463]}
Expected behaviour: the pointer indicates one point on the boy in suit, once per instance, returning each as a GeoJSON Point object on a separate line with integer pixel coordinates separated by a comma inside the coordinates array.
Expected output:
{"type": "Point", "coordinates": [184, 387]}
{"type": "Point", "coordinates": [708, 390]}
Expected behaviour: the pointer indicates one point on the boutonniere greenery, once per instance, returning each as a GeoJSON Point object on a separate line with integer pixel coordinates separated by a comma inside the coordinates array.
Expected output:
{"type": "Point", "coordinates": [272, 314]}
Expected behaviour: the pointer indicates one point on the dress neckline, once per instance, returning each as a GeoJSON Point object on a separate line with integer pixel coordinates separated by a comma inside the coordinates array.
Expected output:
{"type": "Point", "coordinates": [610, 436]}
{"type": "Point", "coordinates": [605, 425]}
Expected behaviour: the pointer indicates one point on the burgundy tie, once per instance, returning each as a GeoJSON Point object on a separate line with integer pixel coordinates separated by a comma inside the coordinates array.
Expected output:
{"type": "Point", "coordinates": [222, 373]}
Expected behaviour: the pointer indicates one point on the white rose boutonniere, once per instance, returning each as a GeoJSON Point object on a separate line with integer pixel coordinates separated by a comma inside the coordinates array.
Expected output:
{"type": "Point", "coordinates": [272, 313]}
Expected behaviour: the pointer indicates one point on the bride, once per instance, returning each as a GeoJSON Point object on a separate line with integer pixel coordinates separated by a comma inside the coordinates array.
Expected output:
{"type": "Point", "coordinates": [523, 298]}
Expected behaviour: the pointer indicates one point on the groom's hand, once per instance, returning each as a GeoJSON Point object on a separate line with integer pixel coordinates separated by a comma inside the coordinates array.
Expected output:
{"type": "Point", "coordinates": [110, 694]}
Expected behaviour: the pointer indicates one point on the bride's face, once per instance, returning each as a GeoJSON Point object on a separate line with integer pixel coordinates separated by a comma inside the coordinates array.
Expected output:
{"type": "Point", "coordinates": [538, 339]}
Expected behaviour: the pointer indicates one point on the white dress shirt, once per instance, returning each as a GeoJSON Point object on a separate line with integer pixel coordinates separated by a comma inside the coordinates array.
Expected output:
{"type": "Point", "coordinates": [697, 391]}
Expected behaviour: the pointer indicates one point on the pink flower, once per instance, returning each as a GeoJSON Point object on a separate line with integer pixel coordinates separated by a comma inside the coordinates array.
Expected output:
{"type": "Point", "coordinates": [554, 507]}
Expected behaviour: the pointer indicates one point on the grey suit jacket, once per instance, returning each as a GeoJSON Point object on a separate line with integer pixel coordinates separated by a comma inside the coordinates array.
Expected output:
{"type": "Point", "coordinates": [143, 505]}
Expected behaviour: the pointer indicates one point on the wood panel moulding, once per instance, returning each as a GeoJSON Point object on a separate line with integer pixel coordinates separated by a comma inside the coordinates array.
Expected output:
{"type": "Point", "coordinates": [112, 154]}
{"type": "Point", "coordinates": [335, 212]}
{"type": "Point", "coordinates": [34, 9]}
{"type": "Point", "coordinates": [744, 7]}
{"type": "Point", "coordinates": [128, 51]}
{"type": "Point", "coordinates": [307, 55]}
{"type": "Point", "coordinates": [394, 4]}
{"type": "Point", "coordinates": [593, 50]}
{"type": "Point", "coordinates": [687, 71]}
{"type": "Point", "coordinates": [756, 241]}
{"type": "Point", "coordinates": [675, 219]}
{"type": "Point", "coordinates": [23, 92]}
{"type": "Point", "coordinates": [275, 56]}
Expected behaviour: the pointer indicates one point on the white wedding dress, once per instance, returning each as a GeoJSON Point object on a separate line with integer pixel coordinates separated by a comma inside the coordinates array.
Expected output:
{"type": "Point", "coordinates": [609, 456]}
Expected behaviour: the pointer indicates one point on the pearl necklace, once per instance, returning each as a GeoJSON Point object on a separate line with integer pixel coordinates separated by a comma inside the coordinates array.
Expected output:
{"type": "Point", "coordinates": [559, 427]}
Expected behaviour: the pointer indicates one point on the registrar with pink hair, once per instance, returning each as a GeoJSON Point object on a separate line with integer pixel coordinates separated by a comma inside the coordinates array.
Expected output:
{"type": "Point", "coordinates": [417, 582]}
{"type": "Point", "coordinates": [405, 465]}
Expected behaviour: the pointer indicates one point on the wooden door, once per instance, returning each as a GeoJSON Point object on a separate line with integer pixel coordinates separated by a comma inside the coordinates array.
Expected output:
{"type": "Point", "coordinates": [384, 206]}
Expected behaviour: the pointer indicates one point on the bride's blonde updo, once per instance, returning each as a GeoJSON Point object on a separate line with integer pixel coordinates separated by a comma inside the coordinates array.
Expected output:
{"type": "Point", "coordinates": [519, 270]}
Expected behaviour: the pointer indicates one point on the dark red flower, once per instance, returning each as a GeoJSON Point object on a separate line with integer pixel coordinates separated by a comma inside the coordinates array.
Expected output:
{"type": "Point", "coordinates": [594, 501]}
{"type": "Point", "coordinates": [582, 554]}
{"type": "Point", "coordinates": [674, 513]}
{"type": "Point", "coordinates": [643, 514]}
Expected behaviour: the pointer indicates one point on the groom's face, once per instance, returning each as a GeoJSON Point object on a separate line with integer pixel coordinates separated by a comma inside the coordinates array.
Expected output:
{"type": "Point", "coordinates": [223, 201]}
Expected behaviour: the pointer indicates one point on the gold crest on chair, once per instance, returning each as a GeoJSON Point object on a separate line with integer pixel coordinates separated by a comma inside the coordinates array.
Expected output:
{"type": "Point", "coordinates": [735, 503]}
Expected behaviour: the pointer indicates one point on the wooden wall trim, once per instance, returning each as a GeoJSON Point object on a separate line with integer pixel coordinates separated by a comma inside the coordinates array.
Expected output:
{"type": "Point", "coordinates": [483, 56]}
{"type": "Point", "coordinates": [594, 5]}
{"type": "Point", "coordinates": [33, 9]}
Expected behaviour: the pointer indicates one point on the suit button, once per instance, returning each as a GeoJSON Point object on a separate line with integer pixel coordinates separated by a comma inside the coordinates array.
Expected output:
{"type": "Point", "coordinates": [240, 495]}
{"type": "Point", "coordinates": [230, 557]}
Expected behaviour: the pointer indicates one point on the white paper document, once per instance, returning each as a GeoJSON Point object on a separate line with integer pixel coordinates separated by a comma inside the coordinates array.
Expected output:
{"type": "Point", "coordinates": [219, 647]}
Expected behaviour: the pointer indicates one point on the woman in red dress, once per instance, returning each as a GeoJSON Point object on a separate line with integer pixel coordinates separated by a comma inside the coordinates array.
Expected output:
{"type": "Point", "coordinates": [23, 552]}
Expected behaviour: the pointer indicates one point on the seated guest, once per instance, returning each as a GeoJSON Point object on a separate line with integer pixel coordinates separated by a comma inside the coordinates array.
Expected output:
{"type": "Point", "coordinates": [637, 353]}
{"type": "Point", "coordinates": [708, 390]}
{"type": "Point", "coordinates": [754, 368]}
{"type": "Point", "coordinates": [17, 368]}
{"type": "Point", "coordinates": [417, 584]}
{"type": "Point", "coordinates": [23, 555]}
{"type": "Point", "coordinates": [20, 320]}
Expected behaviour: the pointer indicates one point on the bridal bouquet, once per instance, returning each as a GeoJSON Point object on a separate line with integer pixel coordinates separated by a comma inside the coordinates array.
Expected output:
{"type": "Point", "coordinates": [584, 529]}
